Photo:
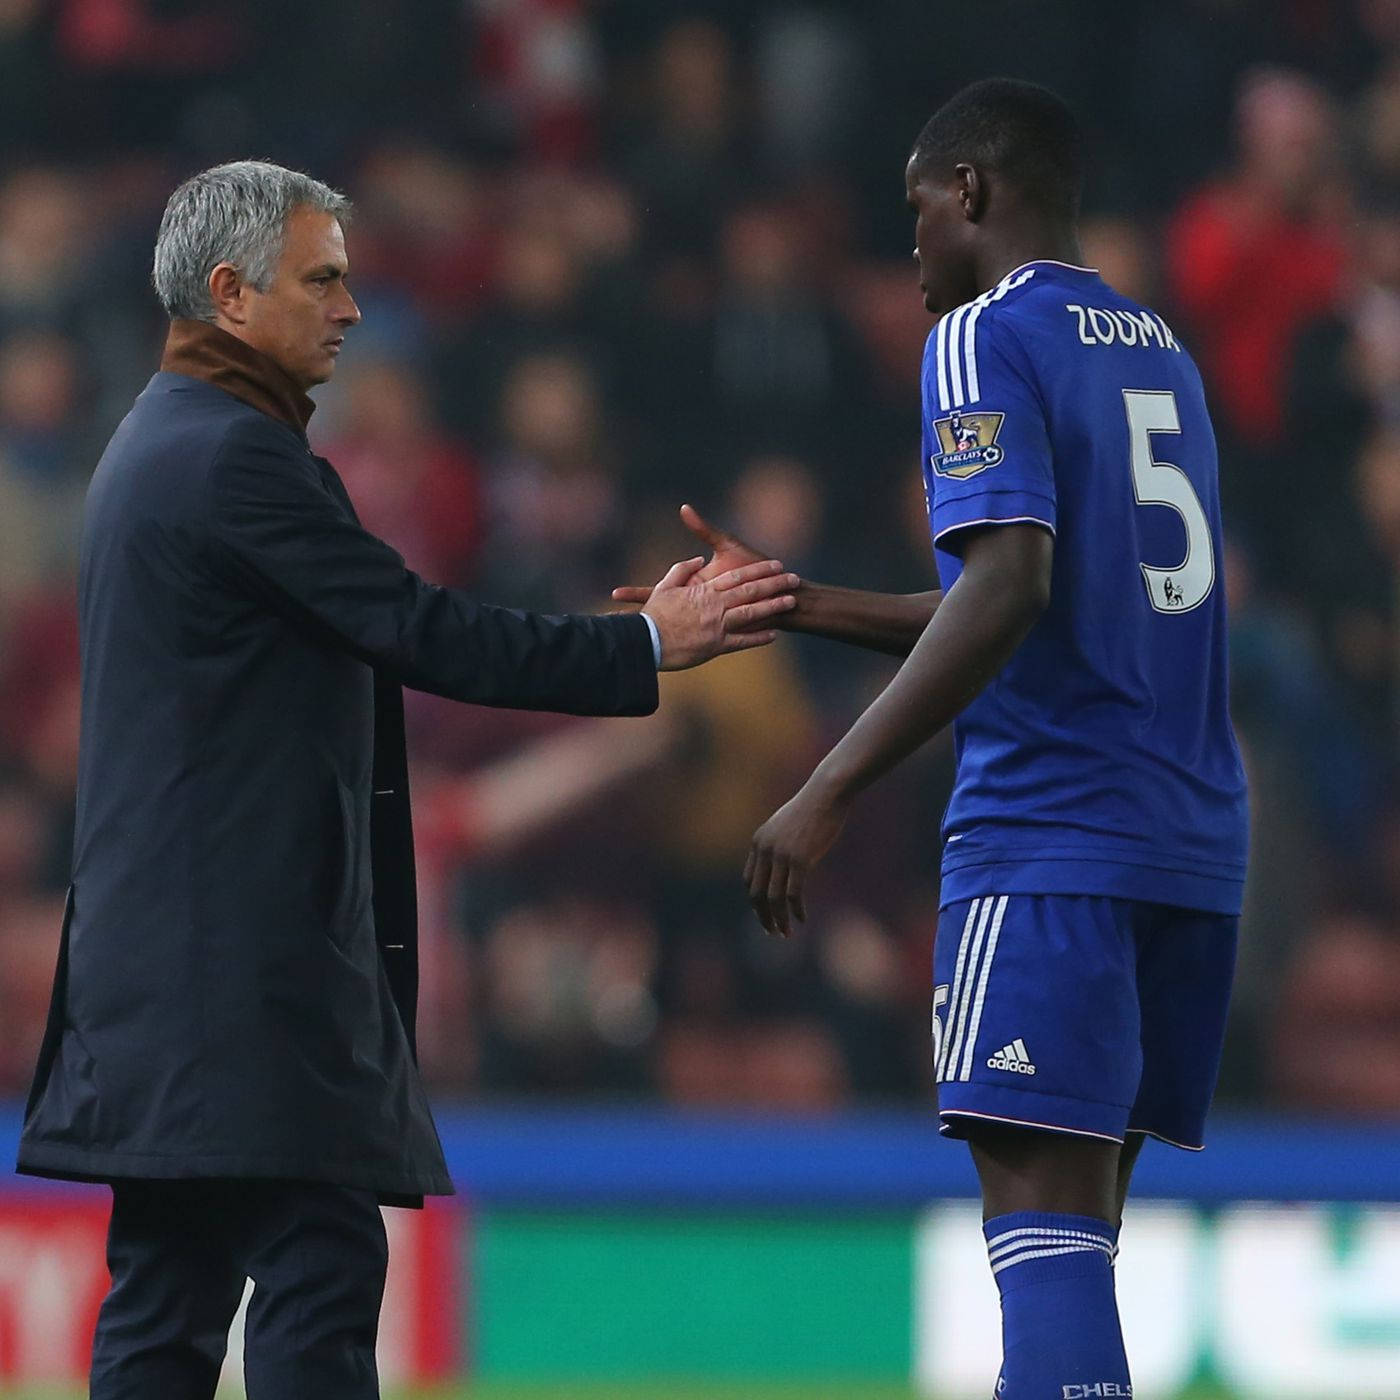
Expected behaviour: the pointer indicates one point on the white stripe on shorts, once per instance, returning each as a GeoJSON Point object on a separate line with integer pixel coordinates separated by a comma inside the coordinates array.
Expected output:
{"type": "Point", "coordinates": [950, 1069]}
{"type": "Point", "coordinates": [960, 969]}
{"type": "Point", "coordinates": [976, 1023]}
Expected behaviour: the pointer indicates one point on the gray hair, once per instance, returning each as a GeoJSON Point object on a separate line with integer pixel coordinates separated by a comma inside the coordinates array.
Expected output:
{"type": "Point", "coordinates": [235, 213]}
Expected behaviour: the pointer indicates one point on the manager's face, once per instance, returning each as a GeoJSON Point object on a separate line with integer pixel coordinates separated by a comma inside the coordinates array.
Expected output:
{"type": "Point", "coordinates": [301, 319]}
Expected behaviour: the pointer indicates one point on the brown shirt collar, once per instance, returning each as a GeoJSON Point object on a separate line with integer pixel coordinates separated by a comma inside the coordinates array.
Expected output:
{"type": "Point", "coordinates": [203, 351]}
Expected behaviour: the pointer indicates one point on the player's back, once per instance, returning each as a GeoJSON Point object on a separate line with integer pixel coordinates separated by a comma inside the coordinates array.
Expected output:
{"type": "Point", "coordinates": [1101, 759]}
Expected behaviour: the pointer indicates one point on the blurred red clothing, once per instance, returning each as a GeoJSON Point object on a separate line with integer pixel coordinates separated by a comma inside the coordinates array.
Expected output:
{"type": "Point", "coordinates": [1248, 281]}
{"type": "Point", "coordinates": [135, 36]}
{"type": "Point", "coordinates": [423, 497]}
{"type": "Point", "coordinates": [424, 227]}
{"type": "Point", "coordinates": [535, 62]}
{"type": "Point", "coordinates": [445, 275]}
{"type": "Point", "coordinates": [38, 660]}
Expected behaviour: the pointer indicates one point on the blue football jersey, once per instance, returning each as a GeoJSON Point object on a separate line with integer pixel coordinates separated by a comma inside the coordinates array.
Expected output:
{"type": "Point", "coordinates": [1101, 760]}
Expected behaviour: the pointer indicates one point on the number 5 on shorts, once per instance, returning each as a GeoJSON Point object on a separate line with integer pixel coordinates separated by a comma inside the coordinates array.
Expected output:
{"type": "Point", "coordinates": [940, 998]}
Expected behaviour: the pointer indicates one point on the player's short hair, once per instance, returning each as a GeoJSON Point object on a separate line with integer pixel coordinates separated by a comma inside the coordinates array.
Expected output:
{"type": "Point", "coordinates": [1021, 130]}
{"type": "Point", "coordinates": [235, 213]}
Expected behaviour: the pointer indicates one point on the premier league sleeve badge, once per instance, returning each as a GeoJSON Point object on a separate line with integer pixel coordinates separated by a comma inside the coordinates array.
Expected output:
{"type": "Point", "coordinates": [968, 443]}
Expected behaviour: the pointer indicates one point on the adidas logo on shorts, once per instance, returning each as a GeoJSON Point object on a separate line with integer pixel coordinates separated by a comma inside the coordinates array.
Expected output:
{"type": "Point", "coordinates": [1012, 1058]}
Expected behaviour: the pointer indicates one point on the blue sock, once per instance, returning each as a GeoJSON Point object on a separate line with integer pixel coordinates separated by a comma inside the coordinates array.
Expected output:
{"type": "Point", "coordinates": [1059, 1316]}
{"type": "Point", "coordinates": [999, 1390]}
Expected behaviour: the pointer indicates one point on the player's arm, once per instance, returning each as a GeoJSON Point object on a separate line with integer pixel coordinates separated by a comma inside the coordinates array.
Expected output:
{"type": "Point", "coordinates": [887, 622]}
{"type": "Point", "coordinates": [1003, 589]}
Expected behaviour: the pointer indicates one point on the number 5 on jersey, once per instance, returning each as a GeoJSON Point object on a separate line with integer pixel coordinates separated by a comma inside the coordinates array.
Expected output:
{"type": "Point", "coordinates": [1157, 483]}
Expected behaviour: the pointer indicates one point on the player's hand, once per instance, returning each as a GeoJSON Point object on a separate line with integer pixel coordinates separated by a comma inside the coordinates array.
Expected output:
{"type": "Point", "coordinates": [732, 611]}
{"type": "Point", "coordinates": [728, 552]}
{"type": "Point", "coordinates": [784, 850]}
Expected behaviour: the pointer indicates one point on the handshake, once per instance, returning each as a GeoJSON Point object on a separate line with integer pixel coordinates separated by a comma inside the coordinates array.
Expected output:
{"type": "Point", "coordinates": [702, 610]}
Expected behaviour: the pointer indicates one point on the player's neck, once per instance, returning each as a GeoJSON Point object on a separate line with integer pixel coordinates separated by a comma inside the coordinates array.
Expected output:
{"type": "Point", "coordinates": [1042, 243]}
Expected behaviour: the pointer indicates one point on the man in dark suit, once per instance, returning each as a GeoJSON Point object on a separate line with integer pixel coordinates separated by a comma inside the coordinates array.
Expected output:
{"type": "Point", "coordinates": [231, 1042]}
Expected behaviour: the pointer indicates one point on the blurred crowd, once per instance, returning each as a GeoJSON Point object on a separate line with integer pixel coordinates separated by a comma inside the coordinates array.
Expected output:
{"type": "Point", "coordinates": [618, 254]}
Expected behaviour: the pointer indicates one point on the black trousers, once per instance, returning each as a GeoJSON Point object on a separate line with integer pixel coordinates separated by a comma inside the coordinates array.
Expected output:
{"type": "Point", "coordinates": [180, 1254]}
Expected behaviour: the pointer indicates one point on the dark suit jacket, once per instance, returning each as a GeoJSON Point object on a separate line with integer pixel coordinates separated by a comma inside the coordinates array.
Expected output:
{"type": "Point", "coordinates": [237, 975]}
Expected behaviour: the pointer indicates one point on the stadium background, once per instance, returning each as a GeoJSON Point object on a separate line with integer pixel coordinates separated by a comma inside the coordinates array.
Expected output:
{"type": "Point", "coordinates": [620, 254]}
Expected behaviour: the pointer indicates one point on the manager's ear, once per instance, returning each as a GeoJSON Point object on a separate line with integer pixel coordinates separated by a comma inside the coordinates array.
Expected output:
{"type": "Point", "coordinates": [229, 293]}
{"type": "Point", "coordinates": [971, 191]}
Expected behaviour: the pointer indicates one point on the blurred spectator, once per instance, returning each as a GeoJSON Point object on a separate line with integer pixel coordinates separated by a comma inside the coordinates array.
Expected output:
{"type": "Point", "coordinates": [494, 815]}
{"type": "Point", "coordinates": [775, 368]}
{"type": "Point", "coordinates": [538, 75]}
{"type": "Point", "coordinates": [871, 1005]}
{"type": "Point", "coordinates": [22, 828]}
{"type": "Point", "coordinates": [1336, 1039]}
{"type": "Point", "coordinates": [1317, 788]}
{"type": "Point", "coordinates": [567, 1001]}
{"type": "Point", "coordinates": [791, 1066]}
{"type": "Point", "coordinates": [779, 500]}
{"type": "Point", "coordinates": [497, 807]}
{"type": "Point", "coordinates": [555, 490]}
{"type": "Point", "coordinates": [331, 77]}
{"type": "Point", "coordinates": [1187, 60]}
{"type": "Point", "coordinates": [142, 65]}
{"type": "Point", "coordinates": [38, 739]}
{"type": "Point", "coordinates": [1379, 21]}
{"type": "Point", "coordinates": [783, 356]}
{"type": "Point", "coordinates": [44, 241]}
{"type": "Point", "coordinates": [26, 76]}
{"type": "Point", "coordinates": [138, 36]}
{"type": "Point", "coordinates": [1124, 256]}
{"type": "Point", "coordinates": [1284, 696]}
{"type": "Point", "coordinates": [533, 309]}
{"type": "Point", "coordinates": [1378, 121]}
{"type": "Point", "coordinates": [808, 77]}
{"type": "Point", "coordinates": [553, 290]}
{"type": "Point", "coordinates": [1344, 375]}
{"type": "Point", "coordinates": [422, 232]}
{"type": "Point", "coordinates": [43, 466]}
{"type": "Point", "coordinates": [1363, 626]}
{"type": "Point", "coordinates": [41, 416]}
{"type": "Point", "coordinates": [26, 980]}
{"type": "Point", "coordinates": [1343, 398]}
{"type": "Point", "coordinates": [410, 484]}
{"type": "Point", "coordinates": [1255, 255]}
{"type": "Point", "coordinates": [38, 536]}
{"type": "Point", "coordinates": [754, 730]}
{"type": "Point", "coordinates": [38, 686]}
{"type": "Point", "coordinates": [683, 149]}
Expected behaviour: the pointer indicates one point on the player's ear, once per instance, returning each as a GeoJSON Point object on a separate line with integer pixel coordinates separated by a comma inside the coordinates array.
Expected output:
{"type": "Point", "coordinates": [971, 192]}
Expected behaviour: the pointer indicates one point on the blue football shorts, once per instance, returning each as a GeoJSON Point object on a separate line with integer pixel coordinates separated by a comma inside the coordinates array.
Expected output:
{"type": "Point", "coordinates": [1080, 1014]}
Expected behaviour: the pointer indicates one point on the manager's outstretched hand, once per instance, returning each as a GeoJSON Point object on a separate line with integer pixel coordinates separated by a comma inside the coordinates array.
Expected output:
{"type": "Point", "coordinates": [698, 618]}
